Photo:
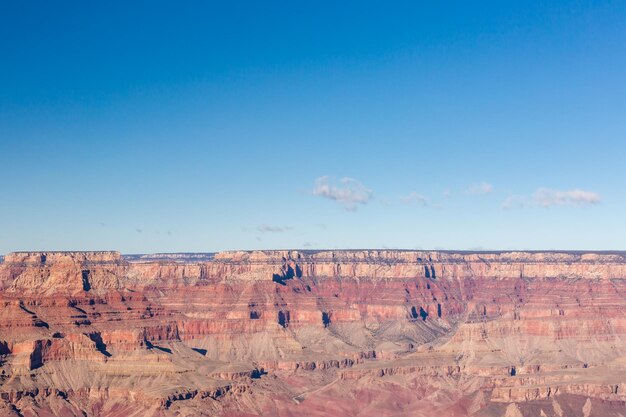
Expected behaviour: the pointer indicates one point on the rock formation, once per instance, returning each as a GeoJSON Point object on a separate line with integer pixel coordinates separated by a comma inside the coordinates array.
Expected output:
{"type": "Point", "coordinates": [285, 333]}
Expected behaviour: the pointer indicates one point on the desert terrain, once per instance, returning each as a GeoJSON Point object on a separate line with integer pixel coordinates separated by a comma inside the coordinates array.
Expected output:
{"type": "Point", "coordinates": [313, 333]}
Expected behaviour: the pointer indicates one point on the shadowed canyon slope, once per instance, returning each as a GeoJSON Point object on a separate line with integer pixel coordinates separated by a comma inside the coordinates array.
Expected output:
{"type": "Point", "coordinates": [303, 333]}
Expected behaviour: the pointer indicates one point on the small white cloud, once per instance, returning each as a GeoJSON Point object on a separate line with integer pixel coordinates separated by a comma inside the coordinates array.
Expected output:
{"type": "Point", "coordinates": [446, 193]}
{"type": "Point", "coordinates": [514, 201]}
{"type": "Point", "coordinates": [479, 189]}
{"type": "Point", "coordinates": [545, 197]}
{"type": "Point", "coordinates": [415, 198]}
{"type": "Point", "coordinates": [265, 228]}
{"type": "Point", "coordinates": [348, 192]}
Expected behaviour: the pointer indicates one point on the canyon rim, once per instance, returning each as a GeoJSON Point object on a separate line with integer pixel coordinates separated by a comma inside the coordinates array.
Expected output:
{"type": "Point", "coordinates": [313, 333]}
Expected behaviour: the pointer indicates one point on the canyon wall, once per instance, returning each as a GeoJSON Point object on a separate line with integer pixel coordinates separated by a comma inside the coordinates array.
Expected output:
{"type": "Point", "coordinates": [313, 333]}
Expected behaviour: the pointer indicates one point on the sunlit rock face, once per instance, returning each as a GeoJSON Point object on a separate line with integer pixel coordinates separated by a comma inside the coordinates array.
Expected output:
{"type": "Point", "coordinates": [286, 333]}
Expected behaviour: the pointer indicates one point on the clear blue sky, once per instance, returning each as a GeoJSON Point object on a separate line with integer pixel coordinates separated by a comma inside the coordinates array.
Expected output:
{"type": "Point", "coordinates": [207, 126]}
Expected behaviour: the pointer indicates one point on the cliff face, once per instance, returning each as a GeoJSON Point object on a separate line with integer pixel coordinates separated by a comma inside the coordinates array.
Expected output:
{"type": "Point", "coordinates": [411, 264]}
{"type": "Point", "coordinates": [61, 272]}
{"type": "Point", "coordinates": [313, 333]}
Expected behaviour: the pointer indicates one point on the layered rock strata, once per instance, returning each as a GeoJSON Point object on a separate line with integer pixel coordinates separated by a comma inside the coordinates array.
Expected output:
{"type": "Point", "coordinates": [313, 333]}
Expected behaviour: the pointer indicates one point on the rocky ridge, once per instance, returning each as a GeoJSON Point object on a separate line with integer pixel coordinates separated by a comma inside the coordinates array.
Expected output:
{"type": "Point", "coordinates": [313, 333]}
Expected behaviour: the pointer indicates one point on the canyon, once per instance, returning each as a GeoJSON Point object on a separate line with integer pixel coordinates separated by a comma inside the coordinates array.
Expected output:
{"type": "Point", "coordinates": [313, 333]}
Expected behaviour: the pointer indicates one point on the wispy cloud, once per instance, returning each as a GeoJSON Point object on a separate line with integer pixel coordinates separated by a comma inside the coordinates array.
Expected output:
{"type": "Point", "coordinates": [548, 198]}
{"type": "Point", "coordinates": [348, 192]}
{"type": "Point", "coordinates": [415, 198]}
{"type": "Point", "coordinates": [545, 197]}
{"type": "Point", "coordinates": [515, 201]}
{"type": "Point", "coordinates": [479, 189]}
{"type": "Point", "coordinates": [266, 228]}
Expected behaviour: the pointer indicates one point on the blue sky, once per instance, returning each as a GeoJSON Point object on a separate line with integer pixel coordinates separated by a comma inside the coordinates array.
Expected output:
{"type": "Point", "coordinates": [160, 127]}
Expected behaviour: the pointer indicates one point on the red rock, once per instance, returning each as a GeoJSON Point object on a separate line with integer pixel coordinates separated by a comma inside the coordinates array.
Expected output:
{"type": "Point", "coordinates": [312, 333]}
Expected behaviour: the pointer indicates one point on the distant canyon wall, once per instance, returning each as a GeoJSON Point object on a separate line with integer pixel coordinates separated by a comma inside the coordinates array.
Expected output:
{"type": "Point", "coordinates": [83, 271]}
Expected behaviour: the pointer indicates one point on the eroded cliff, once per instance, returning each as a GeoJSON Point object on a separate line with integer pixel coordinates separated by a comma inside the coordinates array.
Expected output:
{"type": "Point", "coordinates": [313, 333]}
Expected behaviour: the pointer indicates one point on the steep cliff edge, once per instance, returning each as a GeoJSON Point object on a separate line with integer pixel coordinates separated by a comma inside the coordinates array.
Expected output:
{"type": "Point", "coordinates": [76, 271]}
{"type": "Point", "coordinates": [313, 333]}
{"type": "Point", "coordinates": [373, 264]}
{"type": "Point", "coordinates": [61, 272]}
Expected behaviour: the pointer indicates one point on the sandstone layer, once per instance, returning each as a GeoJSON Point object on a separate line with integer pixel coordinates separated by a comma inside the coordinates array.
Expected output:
{"type": "Point", "coordinates": [313, 333]}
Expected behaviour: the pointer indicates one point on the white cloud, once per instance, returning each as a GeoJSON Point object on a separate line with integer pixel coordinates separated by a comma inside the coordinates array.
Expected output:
{"type": "Point", "coordinates": [415, 198]}
{"type": "Point", "coordinates": [265, 228]}
{"type": "Point", "coordinates": [348, 192]}
{"type": "Point", "coordinates": [479, 189]}
{"type": "Point", "coordinates": [514, 201]}
{"type": "Point", "coordinates": [545, 197]}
